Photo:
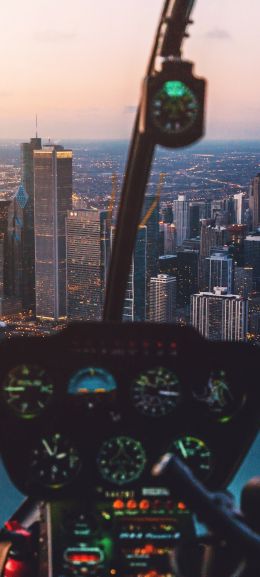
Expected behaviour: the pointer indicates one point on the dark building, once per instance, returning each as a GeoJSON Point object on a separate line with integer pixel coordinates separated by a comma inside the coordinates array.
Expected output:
{"type": "Point", "coordinates": [168, 264]}
{"type": "Point", "coordinates": [211, 236]}
{"type": "Point", "coordinates": [53, 198]}
{"type": "Point", "coordinates": [187, 275]}
{"type": "Point", "coordinates": [243, 281]}
{"type": "Point", "coordinates": [254, 201]}
{"type": "Point", "coordinates": [196, 214]}
{"type": "Point", "coordinates": [235, 236]}
{"type": "Point", "coordinates": [11, 224]}
{"type": "Point", "coordinates": [28, 249]}
{"type": "Point", "coordinates": [252, 257]}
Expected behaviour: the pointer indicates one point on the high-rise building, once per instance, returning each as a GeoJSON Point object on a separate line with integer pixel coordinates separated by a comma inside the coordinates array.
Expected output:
{"type": "Point", "coordinates": [162, 298]}
{"type": "Point", "coordinates": [252, 257]}
{"type": "Point", "coordinates": [53, 198]}
{"type": "Point", "coordinates": [219, 270]}
{"type": "Point", "coordinates": [254, 201]}
{"type": "Point", "coordinates": [167, 238]}
{"type": "Point", "coordinates": [196, 214]}
{"type": "Point", "coordinates": [219, 316]}
{"type": "Point", "coordinates": [87, 244]}
{"type": "Point", "coordinates": [135, 298]}
{"type": "Point", "coordinates": [28, 248]}
{"type": "Point", "coordinates": [235, 237]}
{"type": "Point", "coordinates": [243, 281]}
{"type": "Point", "coordinates": [168, 264]}
{"type": "Point", "coordinates": [239, 208]}
{"type": "Point", "coordinates": [181, 218]}
{"type": "Point", "coordinates": [211, 236]}
{"type": "Point", "coordinates": [150, 216]}
{"type": "Point", "coordinates": [11, 224]}
{"type": "Point", "coordinates": [187, 275]}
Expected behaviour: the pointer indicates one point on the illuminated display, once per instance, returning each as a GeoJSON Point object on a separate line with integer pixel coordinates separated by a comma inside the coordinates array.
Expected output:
{"type": "Point", "coordinates": [221, 398]}
{"type": "Point", "coordinates": [195, 453]}
{"type": "Point", "coordinates": [156, 392]}
{"type": "Point", "coordinates": [174, 107]}
{"type": "Point", "coordinates": [27, 389]}
{"type": "Point", "coordinates": [91, 380]}
{"type": "Point", "coordinates": [121, 460]}
{"type": "Point", "coordinates": [55, 462]}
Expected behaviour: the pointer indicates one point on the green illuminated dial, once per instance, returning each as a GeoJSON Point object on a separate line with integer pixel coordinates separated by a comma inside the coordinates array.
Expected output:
{"type": "Point", "coordinates": [121, 460]}
{"type": "Point", "coordinates": [156, 392]}
{"type": "Point", "coordinates": [174, 107]}
{"type": "Point", "coordinates": [27, 390]}
{"type": "Point", "coordinates": [195, 453]}
{"type": "Point", "coordinates": [55, 462]}
{"type": "Point", "coordinates": [220, 396]}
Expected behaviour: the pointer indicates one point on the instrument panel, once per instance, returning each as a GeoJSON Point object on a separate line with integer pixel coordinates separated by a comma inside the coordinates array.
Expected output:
{"type": "Point", "coordinates": [97, 405]}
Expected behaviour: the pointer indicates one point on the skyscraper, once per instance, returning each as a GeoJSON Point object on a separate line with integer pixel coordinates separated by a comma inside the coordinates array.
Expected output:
{"type": "Point", "coordinates": [239, 208]}
{"type": "Point", "coordinates": [53, 198]}
{"type": "Point", "coordinates": [28, 248]}
{"type": "Point", "coordinates": [87, 243]}
{"type": "Point", "coordinates": [187, 275]}
{"type": "Point", "coordinates": [211, 236]}
{"type": "Point", "coordinates": [181, 218]}
{"type": "Point", "coordinates": [135, 298]}
{"type": "Point", "coordinates": [11, 224]}
{"type": "Point", "coordinates": [219, 316]}
{"type": "Point", "coordinates": [243, 280]}
{"type": "Point", "coordinates": [219, 269]}
{"type": "Point", "coordinates": [162, 298]}
{"type": "Point", "coordinates": [254, 201]}
{"type": "Point", "coordinates": [151, 221]}
{"type": "Point", "coordinates": [252, 257]}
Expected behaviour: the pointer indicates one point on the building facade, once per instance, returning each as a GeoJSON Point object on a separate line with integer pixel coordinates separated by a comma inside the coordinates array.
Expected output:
{"type": "Point", "coordinates": [53, 198]}
{"type": "Point", "coordinates": [163, 299]}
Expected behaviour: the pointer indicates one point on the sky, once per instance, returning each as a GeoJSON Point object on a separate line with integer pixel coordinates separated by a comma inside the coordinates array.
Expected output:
{"type": "Point", "coordinates": [79, 65]}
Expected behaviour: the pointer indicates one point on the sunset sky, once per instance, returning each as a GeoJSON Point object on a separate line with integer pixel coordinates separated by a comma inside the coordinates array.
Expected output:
{"type": "Point", "coordinates": [79, 65]}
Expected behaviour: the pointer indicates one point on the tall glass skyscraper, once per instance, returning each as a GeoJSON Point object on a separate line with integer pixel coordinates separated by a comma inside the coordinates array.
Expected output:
{"type": "Point", "coordinates": [135, 298]}
{"type": "Point", "coordinates": [28, 248]}
{"type": "Point", "coordinates": [87, 241]}
{"type": "Point", "coordinates": [53, 198]}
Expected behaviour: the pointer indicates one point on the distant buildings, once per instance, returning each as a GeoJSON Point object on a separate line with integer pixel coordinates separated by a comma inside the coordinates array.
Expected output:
{"type": "Point", "coordinates": [252, 257]}
{"type": "Point", "coordinates": [219, 316]}
{"type": "Point", "coordinates": [53, 198]}
{"type": "Point", "coordinates": [162, 298]}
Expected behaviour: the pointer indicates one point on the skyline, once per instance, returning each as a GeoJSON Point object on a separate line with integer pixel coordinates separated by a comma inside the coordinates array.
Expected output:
{"type": "Point", "coordinates": [56, 66]}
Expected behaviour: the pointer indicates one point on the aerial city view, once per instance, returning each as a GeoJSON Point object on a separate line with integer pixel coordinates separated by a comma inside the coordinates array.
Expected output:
{"type": "Point", "coordinates": [197, 255]}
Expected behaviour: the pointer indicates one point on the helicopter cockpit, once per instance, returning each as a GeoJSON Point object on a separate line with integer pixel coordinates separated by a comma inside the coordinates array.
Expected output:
{"type": "Point", "coordinates": [124, 437]}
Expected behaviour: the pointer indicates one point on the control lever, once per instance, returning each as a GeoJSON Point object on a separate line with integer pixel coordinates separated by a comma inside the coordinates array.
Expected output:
{"type": "Point", "coordinates": [213, 508]}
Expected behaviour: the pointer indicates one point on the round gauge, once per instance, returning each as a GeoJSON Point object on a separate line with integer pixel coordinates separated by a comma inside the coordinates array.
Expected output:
{"type": "Point", "coordinates": [222, 400]}
{"type": "Point", "coordinates": [27, 389]}
{"type": "Point", "coordinates": [195, 453]}
{"type": "Point", "coordinates": [174, 107]}
{"type": "Point", "coordinates": [55, 462]}
{"type": "Point", "coordinates": [91, 380]}
{"type": "Point", "coordinates": [156, 392]}
{"type": "Point", "coordinates": [121, 460]}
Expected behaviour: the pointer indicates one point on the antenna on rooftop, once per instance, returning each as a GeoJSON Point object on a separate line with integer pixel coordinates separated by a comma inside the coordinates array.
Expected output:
{"type": "Point", "coordinates": [36, 125]}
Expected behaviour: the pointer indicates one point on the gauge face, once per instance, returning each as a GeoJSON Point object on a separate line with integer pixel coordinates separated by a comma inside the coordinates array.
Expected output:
{"type": "Point", "coordinates": [91, 380]}
{"type": "Point", "coordinates": [55, 462]}
{"type": "Point", "coordinates": [195, 453]}
{"type": "Point", "coordinates": [156, 392]}
{"type": "Point", "coordinates": [121, 460]}
{"type": "Point", "coordinates": [174, 107]}
{"type": "Point", "coordinates": [222, 400]}
{"type": "Point", "coordinates": [27, 390]}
